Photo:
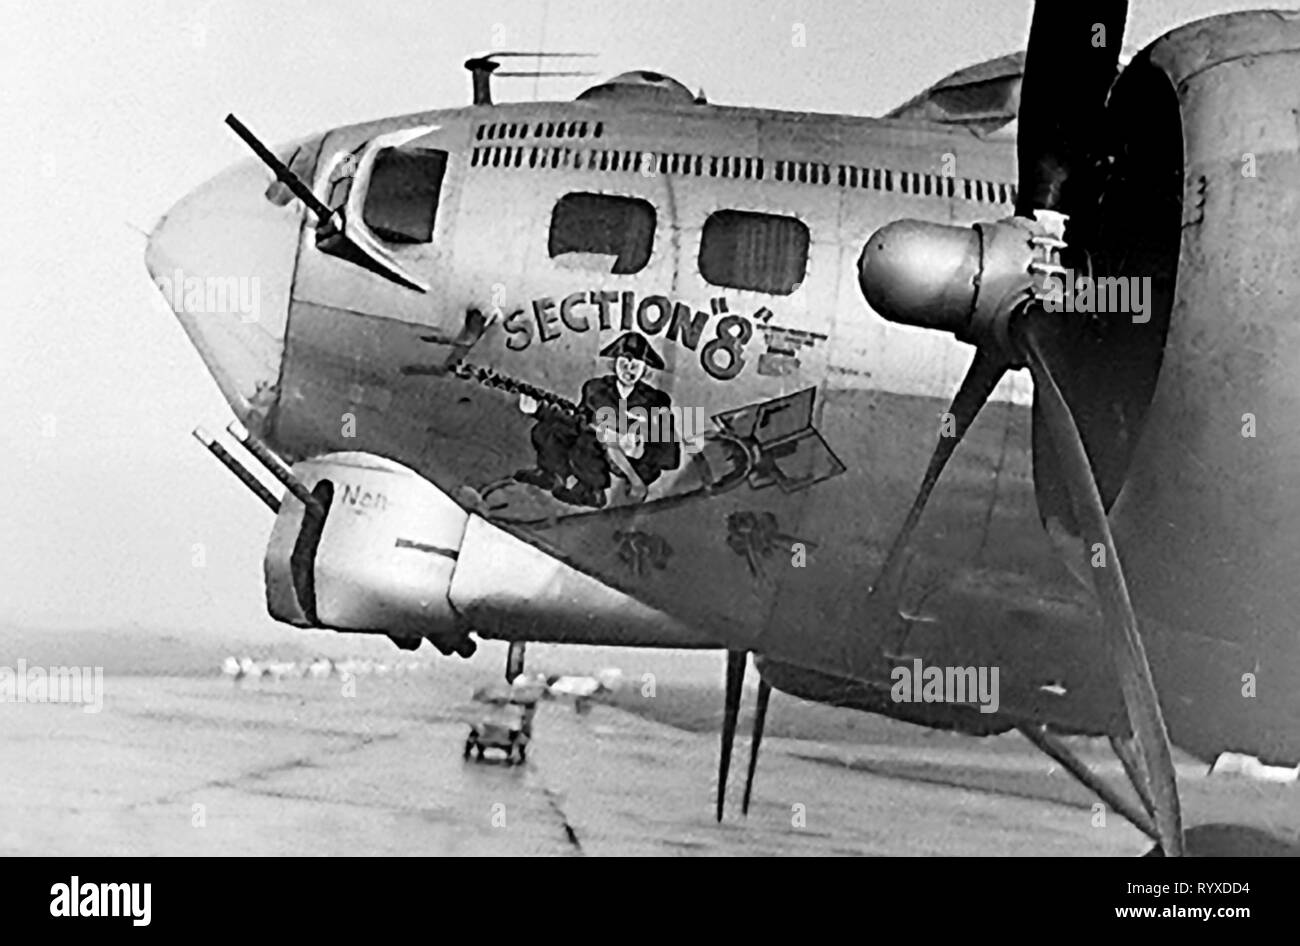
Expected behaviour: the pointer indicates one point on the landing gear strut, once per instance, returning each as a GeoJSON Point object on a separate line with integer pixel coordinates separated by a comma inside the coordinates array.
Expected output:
{"type": "Point", "coordinates": [515, 660]}
{"type": "Point", "coordinates": [1052, 746]}
{"type": "Point", "coordinates": [730, 715]}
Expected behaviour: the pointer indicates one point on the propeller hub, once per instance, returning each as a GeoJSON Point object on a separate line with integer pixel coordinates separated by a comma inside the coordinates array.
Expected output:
{"type": "Point", "coordinates": [969, 281]}
{"type": "Point", "coordinates": [914, 272]}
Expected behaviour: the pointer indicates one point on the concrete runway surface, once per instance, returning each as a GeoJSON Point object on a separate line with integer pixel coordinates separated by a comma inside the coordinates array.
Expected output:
{"type": "Point", "coordinates": [183, 765]}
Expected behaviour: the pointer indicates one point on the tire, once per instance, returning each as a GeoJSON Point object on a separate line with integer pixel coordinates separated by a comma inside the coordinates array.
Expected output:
{"type": "Point", "coordinates": [469, 747]}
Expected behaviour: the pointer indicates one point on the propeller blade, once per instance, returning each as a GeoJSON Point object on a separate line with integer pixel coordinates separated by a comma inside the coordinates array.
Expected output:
{"type": "Point", "coordinates": [760, 716]}
{"type": "Point", "coordinates": [985, 372]}
{"type": "Point", "coordinates": [1072, 59]}
{"type": "Point", "coordinates": [1124, 641]}
{"type": "Point", "coordinates": [730, 713]}
{"type": "Point", "coordinates": [1055, 508]}
{"type": "Point", "coordinates": [1106, 370]}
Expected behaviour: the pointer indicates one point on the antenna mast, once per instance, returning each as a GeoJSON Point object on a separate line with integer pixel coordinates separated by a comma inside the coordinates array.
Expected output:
{"type": "Point", "coordinates": [482, 68]}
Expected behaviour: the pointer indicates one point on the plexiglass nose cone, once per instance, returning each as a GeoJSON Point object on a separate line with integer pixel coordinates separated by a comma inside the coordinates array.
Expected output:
{"type": "Point", "coordinates": [223, 258]}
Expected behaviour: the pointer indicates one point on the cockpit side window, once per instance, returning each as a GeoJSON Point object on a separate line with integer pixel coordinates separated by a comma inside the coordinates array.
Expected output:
{"type": "Point", "coordinates": [604, 225]}
{"type": "Point", "coordinates": [402, 198]}
{"type": "Point", "coordinates": [760, 252]}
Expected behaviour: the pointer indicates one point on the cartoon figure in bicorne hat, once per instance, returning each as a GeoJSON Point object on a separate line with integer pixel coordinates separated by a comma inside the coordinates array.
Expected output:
{"type": "Point", "coordinates": [625, 429]}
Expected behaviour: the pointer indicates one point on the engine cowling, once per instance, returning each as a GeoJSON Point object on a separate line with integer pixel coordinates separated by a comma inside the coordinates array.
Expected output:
{"type": "Point", "coordinates": [378, 557]}
{"type": "Point", "coordinates": [1205, 198]}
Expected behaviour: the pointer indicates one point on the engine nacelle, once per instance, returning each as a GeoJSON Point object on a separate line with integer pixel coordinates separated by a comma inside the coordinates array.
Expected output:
{"type": "Point", "coordinates": [378, 557]}
{"type": "Point", "coordinates": [1205, 197]}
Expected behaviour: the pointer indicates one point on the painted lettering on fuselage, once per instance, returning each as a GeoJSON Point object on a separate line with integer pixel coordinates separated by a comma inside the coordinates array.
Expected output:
{"type": "Point", "coordinates": [721, 351]}
{"type": "Point", "coordinates": [366, 499]}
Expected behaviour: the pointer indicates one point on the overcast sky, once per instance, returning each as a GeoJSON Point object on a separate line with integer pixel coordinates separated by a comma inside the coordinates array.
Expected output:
{"type": "Point", "coordinates": [112, 110]}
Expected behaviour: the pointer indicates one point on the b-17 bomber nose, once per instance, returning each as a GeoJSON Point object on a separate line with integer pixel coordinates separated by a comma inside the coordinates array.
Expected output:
{"type": "Point", "coordinates": [223, 258]}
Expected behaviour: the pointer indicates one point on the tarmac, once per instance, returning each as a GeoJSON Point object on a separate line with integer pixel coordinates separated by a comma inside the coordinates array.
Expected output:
{"type": "Point", "coordinates": [204, 766]}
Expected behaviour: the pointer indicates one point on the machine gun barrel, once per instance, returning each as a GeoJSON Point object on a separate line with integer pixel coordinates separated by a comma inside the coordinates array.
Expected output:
{"type": "Point", "coordinates": [281, 171]}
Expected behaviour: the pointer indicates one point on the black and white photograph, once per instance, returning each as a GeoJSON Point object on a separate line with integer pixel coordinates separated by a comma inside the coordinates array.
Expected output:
{"type": "Point", "coordinates": [747, 428]}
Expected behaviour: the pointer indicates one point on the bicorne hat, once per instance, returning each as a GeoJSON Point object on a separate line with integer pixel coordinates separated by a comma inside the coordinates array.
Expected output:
{"type": "Point", "coordinates": [632, 345]}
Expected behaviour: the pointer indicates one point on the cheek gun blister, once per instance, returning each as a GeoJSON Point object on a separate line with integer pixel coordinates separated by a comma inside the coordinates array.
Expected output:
{"type": "Point", "coordinates": [364, 544]}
